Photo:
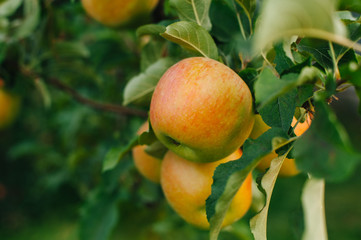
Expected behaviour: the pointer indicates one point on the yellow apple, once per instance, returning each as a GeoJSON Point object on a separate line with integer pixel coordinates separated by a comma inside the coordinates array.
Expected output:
{"type": "Point", "coordinates": [118, 12]}
{"type": "Point", "coordinates": [187, 185]}
{"type": "Point", "coordinates": [9, 107]}
{"type": "Point", "coordinates": [147, 165]}
{"type": "Point", "coordinates": [201, 110]}
{"type": "Point", "coordinates": [289, 167]}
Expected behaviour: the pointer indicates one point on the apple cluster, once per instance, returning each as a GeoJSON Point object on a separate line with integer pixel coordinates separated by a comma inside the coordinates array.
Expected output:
{"type": "Point", "coordinates": [202, 112]}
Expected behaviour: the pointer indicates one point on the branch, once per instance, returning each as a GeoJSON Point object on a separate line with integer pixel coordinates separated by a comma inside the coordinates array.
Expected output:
{"type": "Point", "coordinates": [94, 104]}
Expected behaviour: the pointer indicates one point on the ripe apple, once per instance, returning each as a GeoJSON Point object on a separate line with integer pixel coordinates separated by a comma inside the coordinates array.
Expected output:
{"type": "Point", "coordinates": [187, 185]}
{"type": "Point", "coordinates": [147, 165]}
{"type": "Point", "coordinates": [201, 110]}
{"type": "Point", "coordinates": [118, 12]}
{"type": "Point", "coordinates": [9, 107]}
{"type": "Point", "coordinates": [289, 167]}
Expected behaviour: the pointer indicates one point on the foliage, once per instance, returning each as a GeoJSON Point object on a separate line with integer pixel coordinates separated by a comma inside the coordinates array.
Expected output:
{"type": "Point", "coordinates": [85, 89]}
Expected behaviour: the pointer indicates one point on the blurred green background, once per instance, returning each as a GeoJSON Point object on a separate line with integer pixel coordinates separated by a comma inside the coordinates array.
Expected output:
{"type": "Point", "coordinates": [51, 184]}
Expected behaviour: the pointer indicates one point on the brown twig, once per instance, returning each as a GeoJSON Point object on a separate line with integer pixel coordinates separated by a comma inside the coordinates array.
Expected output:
{"type": "Point", "coordinates": [94, 104]}
{"type": "Point", "coordinates": [108, 107]}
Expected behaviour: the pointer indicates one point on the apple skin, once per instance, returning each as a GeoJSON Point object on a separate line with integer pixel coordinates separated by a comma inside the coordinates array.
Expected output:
{"type": "Point", "coordinates": [187, 185]}
{"type": "Point", "coordinates": [9, 108]}
{"type": "Point", "coordinates": [201, 110]}
{"type": "Point", "coordinates": [147, 165]}
{"type": "Point", "coordinates": [289, 167]}
{"type": "Point", "coordinates": [115, 13]}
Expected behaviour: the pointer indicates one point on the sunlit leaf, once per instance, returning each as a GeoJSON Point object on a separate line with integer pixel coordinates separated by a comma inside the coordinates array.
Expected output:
{"type": "Point", "coordinates": [140, 88]}
{"type": "Point", "coordinates": [44, 92]}
{"type": "Point", "coordinates": [31, 18]}
{"type": "Point", "coordinates": [313, 202]}
{"type": "Point", "coordinates": [150, 29]}
{"type": "Point", "coordinates": [259, 222]}
{"type": "Point", "coordinates": [196, 11]}
{"type": "Point", "coordinates": [192, 37]}
{"type": "Point", "coordinates": [8, 7]}
{"type": "Point", "coordinates": [285, 18]}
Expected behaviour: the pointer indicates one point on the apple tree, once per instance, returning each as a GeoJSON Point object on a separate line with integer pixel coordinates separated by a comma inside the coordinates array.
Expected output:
{"type": "Point", "coordinates": [86, 88]}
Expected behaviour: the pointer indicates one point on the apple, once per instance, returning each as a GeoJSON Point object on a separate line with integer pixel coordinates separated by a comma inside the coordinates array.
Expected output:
{"type": "Point", "coordinates": [201, 110]}
{"type": "Point", "coordinates": [118, 12]}
{"type": "Point", "coordinates": [9, 108]}
{"type": "Point", "coordinates": [187, 185]}
{"type": "Point", "coordinates": [147, 165]}
{"type": "Point", "coordinates": [289, 167]}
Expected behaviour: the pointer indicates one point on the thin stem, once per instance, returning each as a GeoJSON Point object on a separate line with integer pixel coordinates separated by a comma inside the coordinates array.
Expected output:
{"type": "Point", "coordinates": [239, 21]}
{"type": "Point", "coordinates": [108, 107]}
{"type": "Point", "coordinates": [336, 73]}
{"type": "Point", "coordinates": [95, 104]}
{"type": "Point", "coordinates": [270, 64]}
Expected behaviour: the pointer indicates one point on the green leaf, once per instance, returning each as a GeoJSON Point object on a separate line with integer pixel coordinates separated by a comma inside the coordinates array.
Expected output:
{"type": "Point", "coordinates": [99, 218]}
{"type": "Point", "coordinates": [259, 222]}
{"type": "Point", "coordinates": [304, 93]}
{"type": "Point", "coordinates": [325, 150]}
{"type": "Point", "coordinates": [70, 50]}
{"type": "Point", "coordinates": [140, 88]}
{"type": "Point", "coordinates": [282, 61]}
{"type": "Point", "coordinates": [156, 149]}
{"type": "Point", "coordinates": [248, 5]}
{"type": "Point", "coordinates": [115, 154]}
{"type": "Point", "coordinates": [193, 37]}
{"type": "Point", "coordinates": [351, 5]}
{"type": "Point", "coordinates": [279, 113]}
{"type": "Point", "coordinates": [228, 177]}
{"type": "Point", "coordinates": [147, 137]}
{"type": "Point", "coordinates": [285, 18]}
{"type": "Point", "coordinates": [196, 11]}
{"type": "Point", "coordinates": [151, 52]}
{"type": "Point", "coordinates": [224, 21]}
{"type": "Point", "coordinates": [313, 203]}
{"type": "Point", "coordinates": [31, 19]}
{"type": "Point", "coordinates": [150, 29]}
{"type": "Point", "coordinates": [100, 213]}
{"type": "Point", "coordinates": [8, 7]}
{"type": "Point", "coordinates": [268, 87]}
{"type": "Point", "coordinates": [44, 92]}
{"type": "Point", "coordinates": [352, 73]}
{"type": "Point", "coordinates": [318, 49]}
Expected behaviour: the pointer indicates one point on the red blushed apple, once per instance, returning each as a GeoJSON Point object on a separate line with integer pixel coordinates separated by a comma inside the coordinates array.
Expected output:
{"type": "Point", "coordinates": [187, 185]}
{"type": "Point", "coordinates": [201, 110]}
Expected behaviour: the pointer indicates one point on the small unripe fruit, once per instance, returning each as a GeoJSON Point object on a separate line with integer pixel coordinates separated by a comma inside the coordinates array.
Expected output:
{"type": "Point", "coordinates": [147, 165]}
